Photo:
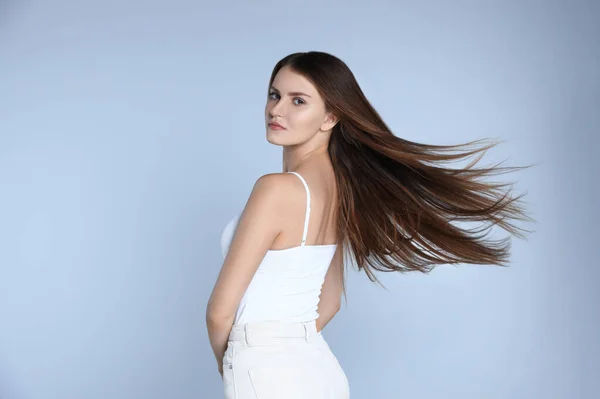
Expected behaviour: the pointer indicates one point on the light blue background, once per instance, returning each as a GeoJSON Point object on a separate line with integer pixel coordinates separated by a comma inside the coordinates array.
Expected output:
{"type": "Point", "coordinates": [131, 132]}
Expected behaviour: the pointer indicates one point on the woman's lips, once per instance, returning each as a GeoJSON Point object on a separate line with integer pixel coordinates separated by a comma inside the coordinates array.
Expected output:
{"type": "Point", "coordinates": [276, 127]}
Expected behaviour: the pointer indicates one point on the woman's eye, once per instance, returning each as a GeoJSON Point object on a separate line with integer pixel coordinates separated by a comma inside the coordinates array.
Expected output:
{"type": "Point", "coordinates": [297, 98]}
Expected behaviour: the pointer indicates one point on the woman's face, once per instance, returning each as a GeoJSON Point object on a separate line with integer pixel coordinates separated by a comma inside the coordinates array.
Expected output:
{"type": "Point", "coordinates": [294, 103]}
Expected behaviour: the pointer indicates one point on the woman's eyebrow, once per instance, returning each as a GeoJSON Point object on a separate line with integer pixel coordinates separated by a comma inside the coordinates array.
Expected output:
{"type": "Point", "coordinates": [293, 93]}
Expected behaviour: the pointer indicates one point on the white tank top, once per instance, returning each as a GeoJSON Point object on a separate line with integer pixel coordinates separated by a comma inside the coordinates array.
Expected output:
{"type": "Point", "coordinates": [288, 282]}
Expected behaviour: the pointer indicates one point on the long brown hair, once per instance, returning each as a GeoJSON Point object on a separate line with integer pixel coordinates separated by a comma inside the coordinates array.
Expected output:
{"type": "Point", "coordinates": [396, 199]}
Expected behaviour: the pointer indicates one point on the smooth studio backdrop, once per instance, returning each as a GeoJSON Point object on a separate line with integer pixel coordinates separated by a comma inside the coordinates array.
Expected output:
{"type": "Point", "coordinates": [131, 132]}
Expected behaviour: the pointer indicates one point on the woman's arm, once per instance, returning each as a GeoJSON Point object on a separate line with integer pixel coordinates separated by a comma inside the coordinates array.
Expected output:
{"type": "Point", "coordinates": [218, 334]}
{"type": "Point", "coordinates": [257, 228]}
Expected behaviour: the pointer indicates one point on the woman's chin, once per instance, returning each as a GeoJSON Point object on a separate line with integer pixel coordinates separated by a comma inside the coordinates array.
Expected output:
{"type": "Point", "coordinates": [271, 139]}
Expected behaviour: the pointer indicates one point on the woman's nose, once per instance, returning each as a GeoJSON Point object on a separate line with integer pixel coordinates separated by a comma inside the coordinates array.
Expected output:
{"type": "Point", "coordinates": [276, 110]}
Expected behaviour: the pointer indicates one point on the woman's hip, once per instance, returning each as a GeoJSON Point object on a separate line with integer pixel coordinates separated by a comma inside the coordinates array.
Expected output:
{"type": "Point", "coordinates": [275, 359]}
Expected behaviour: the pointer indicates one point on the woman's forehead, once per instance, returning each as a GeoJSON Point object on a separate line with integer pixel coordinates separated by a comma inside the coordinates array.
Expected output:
{"type": "Point", "coordinates": [287, 80]}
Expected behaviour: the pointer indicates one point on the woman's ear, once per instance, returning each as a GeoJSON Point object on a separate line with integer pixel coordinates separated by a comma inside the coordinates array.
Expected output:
{"type": "Point", "coordinates": [330, 121]}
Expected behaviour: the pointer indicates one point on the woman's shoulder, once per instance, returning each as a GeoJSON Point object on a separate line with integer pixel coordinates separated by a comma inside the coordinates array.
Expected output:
{"type": "Point", "coordinates": [276, 190]}
{"type": "Point", "coordinates": [280, 183]}
{"type": "Point", "coordinates": [280, 193]}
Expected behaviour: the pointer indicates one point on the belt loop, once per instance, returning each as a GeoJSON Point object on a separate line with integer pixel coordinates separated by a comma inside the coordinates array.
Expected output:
{"type": "Point", "coordinates": [306, 332]}
{"type": "Point", "coordinates": [247, 334]}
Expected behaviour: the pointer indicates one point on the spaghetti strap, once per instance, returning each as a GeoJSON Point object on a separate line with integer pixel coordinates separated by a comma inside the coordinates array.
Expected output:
{"type": "Point", "coordinates": [305, 232]}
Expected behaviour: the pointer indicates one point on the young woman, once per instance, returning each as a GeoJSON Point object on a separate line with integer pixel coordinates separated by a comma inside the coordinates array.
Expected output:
{"type": "Point", "coordinates": [347, 182]}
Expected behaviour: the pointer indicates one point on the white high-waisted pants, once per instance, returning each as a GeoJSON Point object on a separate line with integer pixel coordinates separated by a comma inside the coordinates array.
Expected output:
{"type": "Point", "coordinates": [281, 360]}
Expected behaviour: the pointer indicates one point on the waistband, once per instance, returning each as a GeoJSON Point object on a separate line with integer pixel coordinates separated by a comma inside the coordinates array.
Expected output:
{"type": "Point", "coordinates": [253, 332]}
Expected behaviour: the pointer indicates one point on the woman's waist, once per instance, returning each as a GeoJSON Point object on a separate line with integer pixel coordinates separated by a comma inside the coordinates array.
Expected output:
{"type": "Point", "coordinates": [268, 330]}
{"type": "Point", "coordinates": [258, 311]}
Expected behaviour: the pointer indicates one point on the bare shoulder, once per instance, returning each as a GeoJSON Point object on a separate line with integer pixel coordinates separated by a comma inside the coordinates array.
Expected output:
{"type": "Point", "coordinates": [272, 180]}
{"type": "Point", "coordinates": [277, 179]}
{"type": "Point", "coordinates": [280, 187]}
